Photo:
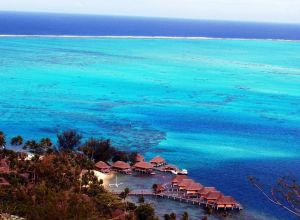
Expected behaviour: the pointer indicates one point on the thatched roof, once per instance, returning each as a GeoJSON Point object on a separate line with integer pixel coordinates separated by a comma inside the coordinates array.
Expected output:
{"type": "Point", "coordinates": [121, 165]}
{"type": "Point", "coordinates": [194, 187]}
{"type": "Point", "coordinates": [185, 182]}
{"type": "Point", "coordinates": [102, 165]}
{"type": "Point", "coordinates": [157, 160]}
{"type": "Point", "coordinates": [179, 178]}
{"type": "Point", "coordinates": [214, 195]}
{"type": "Point", "coordinates": [143, 165]}
{"type": "Point", "coordinates": [226, 200]}
{"type": "Point", "coordinates": [139, 158]}
{"type": "Point", "coordinates": [206, 190]}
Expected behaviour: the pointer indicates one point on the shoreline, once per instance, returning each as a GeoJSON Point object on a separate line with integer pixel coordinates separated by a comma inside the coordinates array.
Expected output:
{"type": "Point", "coordinates": [138, 37]}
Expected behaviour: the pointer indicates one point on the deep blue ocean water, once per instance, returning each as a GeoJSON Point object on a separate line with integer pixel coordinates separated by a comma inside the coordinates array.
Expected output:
{"type": "Point", "coordinates": [63, 24]}
{"type": "Point", "coordinates": [223, 109]}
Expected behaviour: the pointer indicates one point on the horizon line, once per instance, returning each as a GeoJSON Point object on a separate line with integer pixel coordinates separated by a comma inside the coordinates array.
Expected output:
{"type": "Point", "coordinates": [140, 37]}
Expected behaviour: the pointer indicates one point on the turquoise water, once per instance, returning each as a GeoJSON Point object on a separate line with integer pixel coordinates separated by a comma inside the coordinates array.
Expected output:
{"type": "Point", "coordinates": [223, 109]}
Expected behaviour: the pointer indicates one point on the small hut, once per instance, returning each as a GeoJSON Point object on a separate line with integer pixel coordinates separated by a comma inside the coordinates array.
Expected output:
{"type": "Point", "coordinates": [143, 167]}
{"type": "Point", "coordinates": [225, 202]}
{"type": "Point", "coordinates": [182, 185]}
{"type": "Point", "coordinates": [122, 167]}
{"type": "Point", "coordinates": [206, 190]}
{"type": "Point", "coordinates": [158, 161]}
{"type": "Point", "coordinates": [212, 197]}
{"type": "Point", "coordinates": [178, 179]}
{"type": "Point", "coordinates": [193, 189]}
{"type": "Point", "coordinates": [139, 158]}
{"type": "Point", "coordinates": [102, 167]}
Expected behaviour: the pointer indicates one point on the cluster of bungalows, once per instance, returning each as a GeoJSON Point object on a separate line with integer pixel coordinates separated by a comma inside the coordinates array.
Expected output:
{"type": "Point", "coordinates": [209, 196]}
{"type": "Point", "coordinates": [140, 166]}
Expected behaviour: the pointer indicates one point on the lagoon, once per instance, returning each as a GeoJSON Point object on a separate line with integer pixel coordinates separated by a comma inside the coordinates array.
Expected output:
{"type": "Point", "coordinates": [223, 109]}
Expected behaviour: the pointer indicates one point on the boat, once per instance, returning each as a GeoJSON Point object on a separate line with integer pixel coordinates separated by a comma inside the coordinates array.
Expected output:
{"type": "Point", "coordinates": [180, 172]}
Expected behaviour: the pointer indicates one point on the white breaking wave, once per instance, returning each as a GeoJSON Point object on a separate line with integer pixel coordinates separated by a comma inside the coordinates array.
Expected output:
{"type": "Point", "coordinates": [141, 37]}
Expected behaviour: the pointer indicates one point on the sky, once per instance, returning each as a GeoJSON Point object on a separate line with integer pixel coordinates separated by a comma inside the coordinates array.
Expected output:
{"type": "Point", "coordinates": [283, 11]}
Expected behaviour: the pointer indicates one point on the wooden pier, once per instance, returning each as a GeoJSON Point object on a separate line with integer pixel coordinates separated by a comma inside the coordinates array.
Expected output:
{"type": "Point", "coordinates": [173, 196]}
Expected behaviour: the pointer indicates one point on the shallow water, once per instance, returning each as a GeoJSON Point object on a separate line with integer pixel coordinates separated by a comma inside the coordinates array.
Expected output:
{"type": "Point", "coordinates": [223, 109]}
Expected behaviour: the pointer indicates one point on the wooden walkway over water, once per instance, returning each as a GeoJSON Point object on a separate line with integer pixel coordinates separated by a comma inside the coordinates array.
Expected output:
{"type": "Point", "coordinates": [172, 196]}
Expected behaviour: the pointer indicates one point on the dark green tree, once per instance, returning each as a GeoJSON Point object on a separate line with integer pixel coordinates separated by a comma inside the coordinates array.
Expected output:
{"type": "Point", "coordinates": [167, 217]}
{"type": "Point", "coordinates": [68, 140]}
{"type": "Point", "coordinates": [173, 216]}
{"type": "Point", "coordinates": [98, 149]}
{"type": "Point", "coordinates": [2, 140]}
{"type": "Point", "coordinates": [141, 199]}
{"type": "Point", "coordinates": [145, 212]}
{"type": "Point", "coordinates": [124, 195]}
{"type": "Point", "coordinates": [17, 141]}
{"type": "Point", "coordinates": [185, 216]}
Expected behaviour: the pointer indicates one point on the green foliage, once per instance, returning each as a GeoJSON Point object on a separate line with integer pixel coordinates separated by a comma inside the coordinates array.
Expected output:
{"type": "Point", "coordinates": [185, 216]}
{"type": "Point", "coordinates": [54, 192]}
{"type": "Point", "coordinates": [68, 140]}
{"type": "Point", "coordinates": [17, 141]}
{"type": "Point", "coordinates": [173, 216]}
{"type": "Point", "coordinates": [141, 199]}
{"type": "Point", "coordinates": [38, 148]}
{"type": "Point", "coordinates": [98, 149]}
{"type": "Point", "coordinates": [145, 212]}
{"type": "Point", "coordinates": [167, 217]}
{"type": "Point", "coordinates": [2, 139]}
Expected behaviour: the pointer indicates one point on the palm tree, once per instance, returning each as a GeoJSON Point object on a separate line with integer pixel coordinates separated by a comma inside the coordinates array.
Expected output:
{"type": "Point", "coordinates": [68, 140]}
{"type": "Point", "coordinates": [173, 216]}
{"type": "Point", "coordinates": [2, 140]}
{"type": "Point", "coordinates": [17, 141]}
{"type": "Point", "coordinates": [185, 216]}
{"type": "Point", "coordinates": [46, 142]}
{"type": "Point", "coordinates": [124, 195]}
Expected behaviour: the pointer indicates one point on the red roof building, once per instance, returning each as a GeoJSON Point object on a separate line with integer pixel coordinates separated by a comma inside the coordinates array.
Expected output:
{"type": "Point", "coordinates": [158, 161]}
{"type": "Point", "coordinates": [194, 188]}
{"type": "Point", "coordinates": [183, 184]}
{"type": "Point", "coordinates": [143, 167]}
{"type": "Point", "coordinates": [206, 190]}
{"type": "Point", "coordinates": [139, 158]}
{"type": "Point", "coordinates": [102, 167]}
{"type": "Point", "coordinates": [122, 167]}
{"type": "Point", "coordinates": [178, 179]}
{"type": "Point", "coordinates": [212, 196]}
{"type": "Point", "coordinates": [225, 202]}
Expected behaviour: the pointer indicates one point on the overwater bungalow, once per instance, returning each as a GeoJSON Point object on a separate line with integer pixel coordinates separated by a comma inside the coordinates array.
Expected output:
{"type": "Point", "coordinates": [183, 184]}
{"type": "Point", "coordinates": [177, 179]}
{"type": "Point", "coordinates": [212, 197]}
{"type": "Point", "coordinates": [225, 202]}
{"type": "Point", "coordinates": [192, 190]}
{"type": "Point", "coordinates": [139, 158]}
{"type": "Point", "coordinates": [121, 167]}
{"type": "Point", "coordinates": [102, 167]}
{"type": "Point", "coordinates": [4, 182]}
{"type": "Point", "coordinates": [4, 168]}
{"type": "Point", "coordinates": [158, 161]}
{"type": "Point", "coordinates": [206, 190]}
{"type": "Point", "coordinates": [143, 167]}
